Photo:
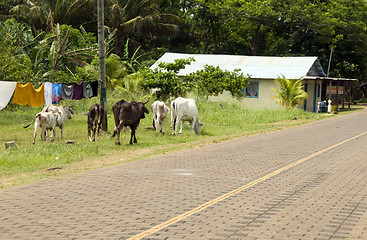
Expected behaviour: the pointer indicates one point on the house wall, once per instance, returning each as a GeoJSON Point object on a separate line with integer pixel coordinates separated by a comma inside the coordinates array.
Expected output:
{"type": "Point", "coordinates": [313, 89]}
{"type": "Point", "coordinates": [263, 100]}
{"type": "Point", "coordinates": [265, 96]}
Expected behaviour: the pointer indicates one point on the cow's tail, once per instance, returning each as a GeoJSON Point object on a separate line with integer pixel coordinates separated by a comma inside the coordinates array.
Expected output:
{"type": "Point", "coordinates": [173, 113]}
{"type": "Point", "coordinates": [38, 115]}
{"type": "Point", "coordinates": [173, 106]}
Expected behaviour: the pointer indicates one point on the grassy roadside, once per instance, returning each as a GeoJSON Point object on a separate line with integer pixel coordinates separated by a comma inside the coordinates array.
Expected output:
{"type": "Point", "coordinates": [29, 163]}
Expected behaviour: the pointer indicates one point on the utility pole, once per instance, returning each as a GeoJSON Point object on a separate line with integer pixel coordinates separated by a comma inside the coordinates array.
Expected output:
{"type": "Point", "coordinates": [330, 82]}
{"type": "Point", "coordinates": [331, 56]}
{"type": "Point", "coordinates": [102, 56]}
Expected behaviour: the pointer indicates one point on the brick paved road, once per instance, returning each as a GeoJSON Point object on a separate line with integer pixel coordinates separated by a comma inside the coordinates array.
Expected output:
{"type": "Point", "coordinates": [324, 196]}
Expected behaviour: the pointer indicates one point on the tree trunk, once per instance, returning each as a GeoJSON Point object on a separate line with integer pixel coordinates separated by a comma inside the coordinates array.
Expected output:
{"type": "Point", "coordinates": [102, 56]}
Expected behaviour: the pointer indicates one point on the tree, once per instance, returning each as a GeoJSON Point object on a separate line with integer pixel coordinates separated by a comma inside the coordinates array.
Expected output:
{"type": "Point", "coordinates": [165, 79]}
{"type": "Point", "coordinates": [291, 92]}
{"type": "Point", "coordinates": [132, 87]}
{"type": "Point", "coordinates": [61, 51]}
{"type": "Point", "coordinates": [284, 28]}
{"type": "Point", "coordinates": [212, 81]}
{"type": "Point", "coordinates": [133, 63]}
{"type": "Point", "coordinates": [140, 20]}
{"type": "Point", "coordinates": [39, 14]}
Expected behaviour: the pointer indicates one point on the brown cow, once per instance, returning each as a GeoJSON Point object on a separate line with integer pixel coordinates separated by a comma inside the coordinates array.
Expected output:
{"type": "Point", "coordinates": [95, 117]}
{"type": "Point", "coordinates": [128, 114]}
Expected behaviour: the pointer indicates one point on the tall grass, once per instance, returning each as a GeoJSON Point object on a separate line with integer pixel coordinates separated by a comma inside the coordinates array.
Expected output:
{"type": "Point", "coordinates": [27, 162]}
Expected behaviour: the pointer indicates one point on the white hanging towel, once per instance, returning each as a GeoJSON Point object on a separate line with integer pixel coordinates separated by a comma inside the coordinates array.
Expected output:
{"type": "Point", "coordinates": [48, 93]}
{"type": "Point", "coordinates": [6, 91]}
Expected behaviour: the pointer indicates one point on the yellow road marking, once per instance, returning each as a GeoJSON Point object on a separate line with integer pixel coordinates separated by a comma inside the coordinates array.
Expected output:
{"type": "Point", "coordinates": [238, 190]}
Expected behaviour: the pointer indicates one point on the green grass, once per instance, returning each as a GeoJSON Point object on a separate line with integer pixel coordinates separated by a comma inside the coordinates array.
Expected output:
{"type": "Point", "coordinates": [27, 163]}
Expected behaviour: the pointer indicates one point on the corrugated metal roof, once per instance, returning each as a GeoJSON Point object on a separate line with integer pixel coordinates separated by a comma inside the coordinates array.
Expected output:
{"type": "Point", "coordinates": [256, 66]}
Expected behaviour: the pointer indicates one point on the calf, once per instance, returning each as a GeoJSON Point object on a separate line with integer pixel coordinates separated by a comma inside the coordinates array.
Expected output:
{"type": "Point", "coordinates": [128, 114]}
{"type": "Point", "coordinates": [65, 113]}
{"type": "Point", "coordinates": [95, 117]}
{"type": "Point", "coordinates": [159, 111]}
{"type": "Point", "coordinates": [47, 121]}
{"type": "Point", "coordinates": [183, 109]}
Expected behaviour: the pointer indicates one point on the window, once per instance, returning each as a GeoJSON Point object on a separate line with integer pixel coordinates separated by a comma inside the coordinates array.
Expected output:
{"type": "Point", "coordinates": [252, 90]}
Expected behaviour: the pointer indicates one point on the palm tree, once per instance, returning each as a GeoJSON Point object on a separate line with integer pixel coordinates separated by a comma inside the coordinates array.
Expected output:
{"type": "Point", "coordinates": [133, 63]}
{"type": "Point", "coordinates": [291, 92]}
{"type": "Point", "coordinates": [28, 12]}
{"type": "Point", "coordinates": [132, 87]}
{"type": "Point", "coordinates": [44, 14]}
{"type": "Point", "coordinates": [140, 20]}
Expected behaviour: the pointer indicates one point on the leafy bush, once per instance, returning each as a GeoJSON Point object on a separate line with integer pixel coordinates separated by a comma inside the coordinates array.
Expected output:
{"type": "Point", "coordinates": [165, 79]}
{"type": "Point", "coordinates": [212, 81]}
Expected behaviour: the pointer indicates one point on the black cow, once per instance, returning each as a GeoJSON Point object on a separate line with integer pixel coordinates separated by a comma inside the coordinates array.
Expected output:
{"type": "Point", "coordinates": [128, 114]}
{"type": "Point", "coordinates": [95, 117]}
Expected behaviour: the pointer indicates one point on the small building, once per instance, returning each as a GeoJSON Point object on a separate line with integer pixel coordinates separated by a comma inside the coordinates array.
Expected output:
{"type": "Point", "coordinates": [263, 71]}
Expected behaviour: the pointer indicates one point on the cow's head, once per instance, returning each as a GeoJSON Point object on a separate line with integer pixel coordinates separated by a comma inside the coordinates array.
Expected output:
{"type": "Point", "coordinates": [143, 109]}
{"type": "Point", "coordinates": [198, 126]}
{"type": "Point", "coordinates": [68, 111]}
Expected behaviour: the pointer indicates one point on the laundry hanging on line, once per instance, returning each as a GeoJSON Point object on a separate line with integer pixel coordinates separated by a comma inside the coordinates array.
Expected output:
{"type": "Point", "coordinates": [56, 93]}
{"type": "Point", "coordinates": [28, 95]}
{"type": "Point", "coordinates": [6, 92]}
{"type": "Point", "coordinates": [47, 94]}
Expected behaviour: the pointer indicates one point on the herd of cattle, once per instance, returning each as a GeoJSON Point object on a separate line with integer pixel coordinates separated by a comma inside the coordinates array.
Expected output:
{"type": "Point", "coordinates": [126, 114]}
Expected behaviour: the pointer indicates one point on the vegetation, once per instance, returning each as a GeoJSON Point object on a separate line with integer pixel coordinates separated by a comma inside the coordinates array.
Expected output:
{"type": "Point", "coordinates": [254, 27]}
{"type": "Point", "coordinates": [165, 80]}
{"type": "Point", "coordinates": [291, 92]}
{"type": "Point", "coordinates": [27, 162]}
{"type": "Point", "coordinates": [212, 81]}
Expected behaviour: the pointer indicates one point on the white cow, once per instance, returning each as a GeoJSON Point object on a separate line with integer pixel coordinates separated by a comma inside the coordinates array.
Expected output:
{"type": "Point", "coordinates": [160, 112]}
{"type": "Point", "coordinates": [47, 121]}
{"type": "Point", "coordinates": [65, 113]}
{"type": "Point", "coordinates": [183, 109]}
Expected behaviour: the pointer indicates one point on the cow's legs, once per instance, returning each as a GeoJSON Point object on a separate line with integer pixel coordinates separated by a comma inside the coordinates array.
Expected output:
{"type": "Point", "coordinates": [35, 134]}
{"type": "Point", "coordinates": [157, 125]}
{"type": "Point", "coordinates": [133, 135]}
{"type": "Point", "coordinates": [177, 120]}
{"type": "Point", "coordinates": [117, 131]}
{"type": "Point", "coordinates": [89, 132]}
{"type": "Point", "coordinates": [98, 129]}
{"type": "Point", "coordinates": [155, 122]}
{"type": "Point", "coordinates": [94, 131]}
{"type": "Point", "coordinates": [163, 124]}
{"type": "Point", "coordinates": [62, 130]}
{"type": "Point", "coordinates": [53, 134]}
{"type": "Point", "coordinates": [193, 124]}
{"type": "Point", "coordinates": [182, 124]}
{"type": "Point", "coordinates": [173, 123]}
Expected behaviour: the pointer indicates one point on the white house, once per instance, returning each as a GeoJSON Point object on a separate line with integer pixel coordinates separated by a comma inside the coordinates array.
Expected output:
{"type": "Point", "coordinates": [263, 71]}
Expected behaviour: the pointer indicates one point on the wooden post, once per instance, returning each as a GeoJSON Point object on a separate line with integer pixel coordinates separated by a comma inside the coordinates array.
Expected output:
{"type": "Point", "coordinates": [349, 92]}
{"type": "Point", "coordinates": [337, 96]}
{"type": "Point", "coordinates": [102, 55]}
{"type": "Point", "coordinates": [343, 94]}
{"type": "Point", "coordinates": [330, 83]}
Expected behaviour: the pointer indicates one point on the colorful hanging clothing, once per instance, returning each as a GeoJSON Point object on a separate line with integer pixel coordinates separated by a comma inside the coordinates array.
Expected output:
{"type": "Point", "coordinates": [48, 93]}
{"type": "Point", "coordinates": [6, 91]}
{"type": "Point", "coordinates": [27, 95]}
{"type": "Point", "coordinates": [87, 90]}
{"type": "Point", "coordinates": [95, 88]}
{"type": "Point", "coordinates": [67, 91]}
{"type": "Point", "coordinates": [56, 93]}
{"type": "Point", "coordinates": [78, 91]}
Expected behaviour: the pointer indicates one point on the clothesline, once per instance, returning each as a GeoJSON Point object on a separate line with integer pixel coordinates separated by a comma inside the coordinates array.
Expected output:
{"type": "Point", "coordinates": [46, 94]}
